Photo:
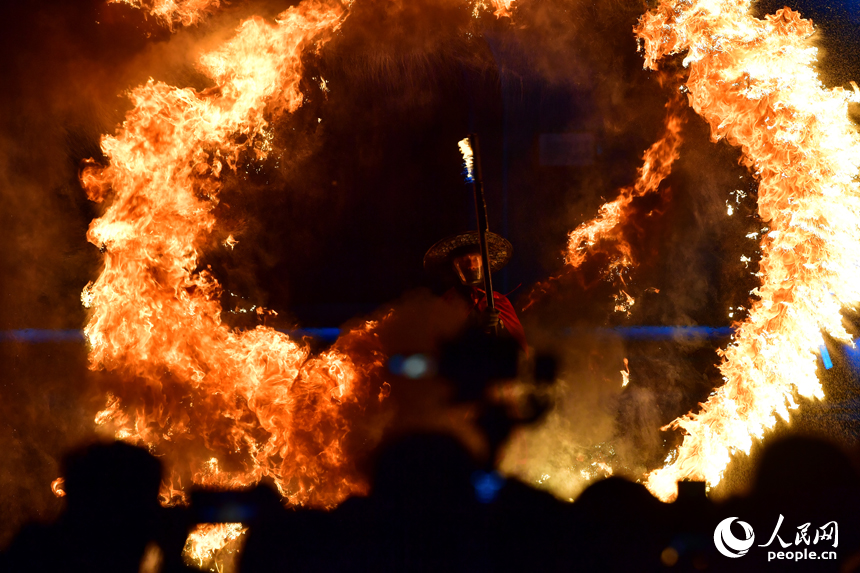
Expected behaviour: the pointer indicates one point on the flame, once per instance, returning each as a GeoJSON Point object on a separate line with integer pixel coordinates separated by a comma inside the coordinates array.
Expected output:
{"type": "Point", "coordinates": [608, 226]}
{"type": "Point", "coordinates": [255, 400]}
{"type": "Point", "coordinates": [190, 12]}
{"type": "Point", "coordinates": [207, 540]}
{"type": "Point", "coordinates": [170, 12]}
{"type": "Point", "coordinates": [607, 469]}
{"type": "Point", "coordinates": [58, 487]}
{"type": "Point", "coordinates": [754, 82]}
{"type": "Point", "coordinates": [502, 7]}
{"type": "Point", "coordinates": [468, 158]}
{"type": "Point", "coordinates": [624, 302]}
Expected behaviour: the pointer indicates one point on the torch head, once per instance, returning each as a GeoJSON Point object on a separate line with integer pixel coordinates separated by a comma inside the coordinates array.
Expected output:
{"type": "Point", "coordinates": [469, 268]}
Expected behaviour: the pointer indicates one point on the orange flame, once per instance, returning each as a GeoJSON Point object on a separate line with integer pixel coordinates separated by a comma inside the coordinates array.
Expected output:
{"type": "Point", "coordinates": [190, 12]}
{"type": "Point", "coordinates": [256, 401]}
{"type": "Point", "coordinates": [170, 12]}
{"type": "Point", "coordinates": [502, 7]}
{"type": "Point", "coordinates": [754, 82]}
{"type": "Point", "coordinates": [608, 227]}
{"type": "Point", "coordinates": [58, 487]}
{"type": "Point", "coordinates": [207, 540]}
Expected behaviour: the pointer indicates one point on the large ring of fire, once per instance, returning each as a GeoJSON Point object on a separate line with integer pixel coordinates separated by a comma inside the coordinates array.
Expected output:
{"type": "Point", "coordinates": [155, 316]}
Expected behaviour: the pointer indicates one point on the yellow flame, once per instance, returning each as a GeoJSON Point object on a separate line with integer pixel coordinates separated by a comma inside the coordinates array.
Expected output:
{"type": "Point", "coordinates": [656, 166]}
{"type": "Point", "coordinates": [207, 539]}
{"type": "Point", "coordinates": [605, 232]}
{"type": "Point", "coordinates": [500, 7]}
{"type": "Point", "coordinates": [754, 82]}
{"type": "Point", "coordinates": [468, 157]}
{"type": "Point", "coordinates": [170, 12]}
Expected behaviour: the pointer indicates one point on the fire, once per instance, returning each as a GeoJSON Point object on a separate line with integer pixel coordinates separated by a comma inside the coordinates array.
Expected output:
{"type": "Point", "coordinates": [468, 158]}
{"type": "Point", "coordinates": [256, 401]}
{"type": "Point", "coordinates": [57, 487]}
{"type": "Point", "coordinates": [208, 539]}
{"type": "Point", "coordinates": [502, 7]}
{"type": "Point", "coordinates": [170, 12]}
{"type": "Point", "coordinates": [190, 12]}
{"type": "Point", "coordinates": [259, 404]}
{"type": "Point", "coordinates": [754, 82]}
{"type": "Point", "coordinates": [607, 228]}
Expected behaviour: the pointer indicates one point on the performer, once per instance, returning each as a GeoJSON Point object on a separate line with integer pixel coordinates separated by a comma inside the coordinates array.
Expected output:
{"type": "Point", "coordinates": [460, 256]}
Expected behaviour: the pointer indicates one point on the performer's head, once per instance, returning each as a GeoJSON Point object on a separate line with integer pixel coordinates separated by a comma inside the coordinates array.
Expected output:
{"type": "Point", "coordinates": [468, 267]}
{"type": "Point", "coordinates": [460, 256]}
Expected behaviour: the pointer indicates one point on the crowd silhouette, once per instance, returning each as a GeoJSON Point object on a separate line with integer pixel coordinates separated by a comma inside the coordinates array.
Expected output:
{"type": "Point", "coordinates": [433, 507]}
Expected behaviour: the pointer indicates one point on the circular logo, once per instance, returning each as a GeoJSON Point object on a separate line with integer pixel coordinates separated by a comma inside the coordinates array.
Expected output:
{"type": "Point", "coordinates": [727, 543]}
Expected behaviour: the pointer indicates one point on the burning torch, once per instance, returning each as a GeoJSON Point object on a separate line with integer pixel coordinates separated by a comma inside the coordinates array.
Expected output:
{"type": "Point", "coordinates": [472, 158]}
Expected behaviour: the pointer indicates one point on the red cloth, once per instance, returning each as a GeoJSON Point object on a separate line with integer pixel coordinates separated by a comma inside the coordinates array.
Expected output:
{"type": "Point", "coordinates": [507, 314]}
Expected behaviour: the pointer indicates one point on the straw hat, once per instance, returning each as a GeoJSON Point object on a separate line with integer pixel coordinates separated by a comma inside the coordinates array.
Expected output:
{"type": "Point", "coordinates": [438, 257]}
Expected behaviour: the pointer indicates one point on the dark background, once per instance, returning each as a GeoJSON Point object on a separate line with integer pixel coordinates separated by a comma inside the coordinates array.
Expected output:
{"type": "Point", "coordinates": [366, 177]}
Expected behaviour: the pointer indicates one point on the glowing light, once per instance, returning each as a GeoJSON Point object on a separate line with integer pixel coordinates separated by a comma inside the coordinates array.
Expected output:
{"type": "Point", "coordinates": [57, 487]}
{"type": "Point", "coordinates": [500, 7]}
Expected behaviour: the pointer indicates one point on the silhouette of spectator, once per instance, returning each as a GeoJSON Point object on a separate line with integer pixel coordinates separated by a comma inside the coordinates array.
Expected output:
{"type": "Point", "coordinates": [111, 515]}
{"type": "Point", "coordinates": [807, 480]}
{"type": "Point", "coordinates": [691, 520]}
{"type": "Point", "coordinates": [280, 539]}
{"type": "Point", "coordinates": [799, 467]}
{"type": "Point", "coordinates": [421, 516]}
{"type": "Point", "coordinates": [618, 526]}
{"type": "Point", "coordinates": [527, 529]}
